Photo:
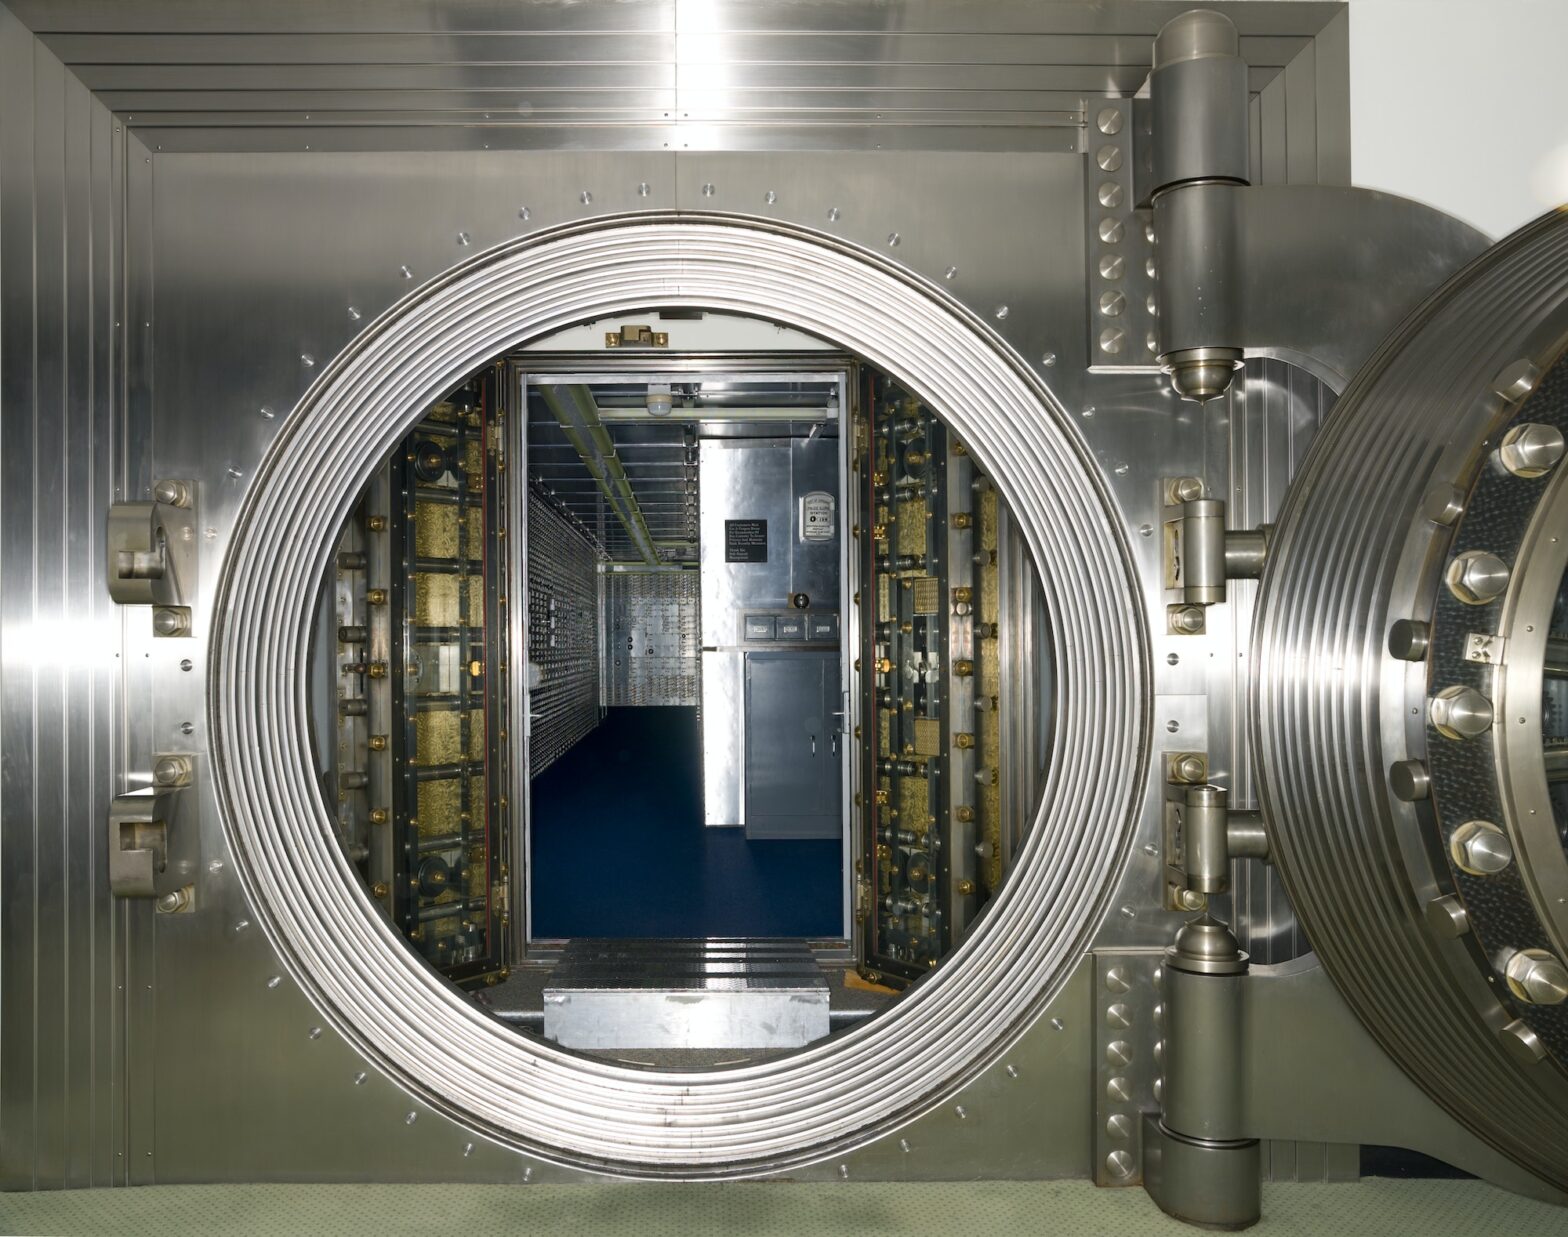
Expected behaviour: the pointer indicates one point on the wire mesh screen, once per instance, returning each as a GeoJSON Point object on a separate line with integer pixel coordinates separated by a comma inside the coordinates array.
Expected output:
{"type": "Point", "coordinates": [652, 648]}
{"type": "Point", "coordinates": [563, 635]}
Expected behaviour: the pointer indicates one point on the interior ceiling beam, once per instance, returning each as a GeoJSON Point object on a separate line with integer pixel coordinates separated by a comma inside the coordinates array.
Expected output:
{"type": "Point", "coordinates": [574, 408]}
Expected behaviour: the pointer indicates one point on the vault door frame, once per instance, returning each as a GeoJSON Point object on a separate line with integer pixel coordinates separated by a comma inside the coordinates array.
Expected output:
{"type": "Point", "coordinates": [587, 368]}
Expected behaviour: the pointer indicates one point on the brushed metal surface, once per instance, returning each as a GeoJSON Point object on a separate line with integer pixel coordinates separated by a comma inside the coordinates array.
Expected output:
{"type": "Point", "coordinates": [65, 947]}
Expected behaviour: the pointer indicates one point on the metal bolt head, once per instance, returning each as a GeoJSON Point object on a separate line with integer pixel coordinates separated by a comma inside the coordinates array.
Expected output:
{"type": "Point", "coordinates": [1119, 1164]}
{"type": "Point", "coordinates": [1112, 266]}
{"type": "Point", "coordinates": [1523, 1044]}
{"type": "Point", "coordinates": [1447, 916]}
{"type": "Point", "coordinates": [1537, 977]}
{"type": "Point", "coordinates": [1409, 639]}
{"type": "Point", "coordinates": [173, 770]}
{"type": "Point", "coordinates": [1189, 769]}
{"type": "Point", "coordinates": [1480, 848]}
{"type": "Point", "coordinates": [1110, 195]}
{"type": "Point", "coordinates": [1531, 449]}
{"type": "Point", "coordinates": [175, 901]}
{"type": "Point", "coordinates": [1517, 379]}
{"type": "Point", "coordinates": [1477, 577]}
{"type": "Point", "coordinates": [1461, 713]}
{"type": "Point", "coordinates": [1119, 1090]}
{"type": "Point", "coordinates": [1112, 303]}
{"type": "Point", "coordinates": [1109, 158]}
{"type": "Point", "coordinates": [1112, 230]}
{"type": "Point", "coordinates": [1112, 340]}
{"type": "Point", "coordinates": [1118, 1125]}
{"type": "Point", "coordinates": [1116, 980]}
{"type": "Point", "coordinates": [1118, 1016]}
{"type": "Point", "coordinates": [1192, 900]}
{"type": "Point", "coordinates": [1409, 780]}
{"type": "Point", "coordinates": [172, 493]}
{"type": "Point", "coordinates": [171, 621]}
{"type": "Point", "coordinates": [1188, 620]}
{"type": "Point", "coordinates": [1109, 121]}
{"type": "Point", "coordinates": [1118, 1054]}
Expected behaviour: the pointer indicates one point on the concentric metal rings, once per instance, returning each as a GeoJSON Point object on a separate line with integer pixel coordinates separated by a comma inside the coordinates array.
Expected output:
{"type": "Point", "coordinates": [429, 1037]}
{"type": "Point", "coordinates": [1362, 792]}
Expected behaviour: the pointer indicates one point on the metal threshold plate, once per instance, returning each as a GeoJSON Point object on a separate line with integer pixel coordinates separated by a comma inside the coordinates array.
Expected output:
{"type": "Point", "coordinates": [686, 993]}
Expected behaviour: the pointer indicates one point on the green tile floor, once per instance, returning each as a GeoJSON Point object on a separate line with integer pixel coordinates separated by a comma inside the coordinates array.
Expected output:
{"type": "Point", "coordinates": [1374, 1208]}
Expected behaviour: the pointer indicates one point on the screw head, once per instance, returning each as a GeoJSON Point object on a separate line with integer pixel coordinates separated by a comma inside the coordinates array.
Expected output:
{"type": "Point", "coordinates": [1109, 121]}
{"type": "Point", "coordinates": [1119, 1164]}
{"type": "Point", "coordinates": [1461, 713]}
{"type": "Point", "coordinates": [1537, 977]}
{"type": "Point", "coordinates": [1109, 158]}
{"type": "Point", "coordinates": [1480, 848]}
{"type": "Point", "coordinates": [1477, 577]}
{"type": "Point", "coordinates": [1531, 450]}
{"type": "Point", "coordinates": [1118, 1054]}
{"type": "Point", "coordinates": [1112, 230]}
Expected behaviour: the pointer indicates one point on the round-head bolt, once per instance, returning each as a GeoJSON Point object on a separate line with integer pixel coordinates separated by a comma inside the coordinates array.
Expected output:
{"type": "Point", "coordinates": [1537, 977]}
{"type": "Point", "coordinates": [1461, 713]}
{"type": "Point", "coordinates": [1409, 780]}
{"type": "Point", "coordinates": [172, 493]}
{"type": "Point", "coordinates": [1523, 1044]}
{"type": "Point", "coordinates": [1480, 848]}
{"type": "Point", "coordinates": [1409, 639]}
{"type": "Point", "coordinates": [1517, 379]}
{"type": "Point", "coordinates": [1477, 577]}
{"type": "Point", "coordinates": [1531, 450]}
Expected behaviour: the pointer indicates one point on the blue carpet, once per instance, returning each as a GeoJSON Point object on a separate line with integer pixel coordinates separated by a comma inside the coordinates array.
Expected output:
{"type": "Point", "coordinates": [619, 847]}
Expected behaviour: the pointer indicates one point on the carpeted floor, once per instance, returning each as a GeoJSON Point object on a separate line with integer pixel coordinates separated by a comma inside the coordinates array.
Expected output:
{"type": "Point", "coordinates": [619, 847]}
{"type": "Point", "coordinates": [1372, 1208]}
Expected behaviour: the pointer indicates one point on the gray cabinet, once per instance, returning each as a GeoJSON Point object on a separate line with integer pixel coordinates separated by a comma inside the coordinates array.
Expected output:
{"type": "Point", "coordinates": [794, 764]}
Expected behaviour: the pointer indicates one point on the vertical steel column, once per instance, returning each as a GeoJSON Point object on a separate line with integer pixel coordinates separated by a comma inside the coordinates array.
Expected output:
{"type": "Point", "coordinates": [1199, 1164]}
{"type": "Point", "coordinates": [1198, 94]}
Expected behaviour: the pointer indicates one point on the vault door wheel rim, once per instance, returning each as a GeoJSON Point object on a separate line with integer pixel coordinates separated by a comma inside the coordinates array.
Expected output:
{"type": "Point", "coordinates": [430, 1038]}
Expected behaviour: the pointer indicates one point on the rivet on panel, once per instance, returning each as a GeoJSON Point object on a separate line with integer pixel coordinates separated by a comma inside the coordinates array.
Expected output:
{"type": "Point", "coordinates": [463, 238]}
{"type": "Point", "coordinates": [1120, 1164]}
{"type": "Point", "coordinates": [315, 1033]}
{"type": "Point", "coordinates": [893, 238]}
{"type": "Point", "coordinates": [843, 1172]}
{"type": "Point", "coordinates": [1048, 360]}
{"type": "Point", "coordinates": [1112, 266]}
{"type": "Point", "coordinates": [1058, 1025]}
{"type": "Point", "coordinates": [405, 272]}
{"type": "Point", "coordinates": [708, 190]}
{"type": "Point", "coordinates": [354, 315]}
{"type": "Point", "coordinates": [528, 1174]}
{"type": "Point", "coordinates": [1112, 230]}
{"type": "Point", "coordinates": [1116, 980]}
{"type": "Point", "coordinates": [468, 1150]}
{"type": "Point", "coordinates": [242, 925]}
{"type": "Point", "coordinates": [308, 361]}
{"type": "Point", "coordinates": [274, 981]}
{"type": "Point", "coordinates": [949, 272]}
{"type": "Point", "coordinates": [960, 1112]}
{"type": "Point", "coordinates": [234, 473]}
{"type": "Point", "coordinates": [1112, 303]}
{"type": "Point", "coordinates": [411, 1118]}
{"type": "Point", "coordinates": [1110, 195]}
{"type": "Point", "coordinates": [1119, 1016]}
{"type": "Point", "coordinates": [1118, 1126]}
{"type": "Point", "coordinates": [833, 214]}
{"type": "Point", "coordinates": [585, 198]}
{"type": "Point", "coordinates": [359, 1078]}
{"type": "Point", "coordinates": [1118, 1054]}
{"type": "Point", "coordinates": [1112, 340]}
{"type": "Point", "coordinates": [1118, 1089]}
{"type": "Point", "coordinates": [524, 213]}
{"type": "Point", "coordinates": [1001, 313]}
{"type": "Point", "coordinates": [1109, 158]}
{"type": "Point", "coordinates": [770, 197]}
{"type": "Point", "coordinates": [903, 1145]}
{"type": "Point", "coordinates": [642, 192]}
{"type": "Point", "coordinates": [1010, 1070]}
{"type": "Point", "coordinates": [1109, 121]}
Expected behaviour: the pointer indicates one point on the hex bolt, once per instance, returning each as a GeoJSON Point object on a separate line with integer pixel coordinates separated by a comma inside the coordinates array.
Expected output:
{"type": "Point", "coordinates": [1409, 639]}
{"type": "Point", "coordinates": [1531, 450]}
{"type": "Point", "coordinates": [172, 770]}
{"type": "Point", "coordinates": [1188, 620]}
{"type": "Point", "coordinates": [1189, 769]}
{"type": "Point", "coordinates": [172, 493]}
{"type": "Point", "coordinates": [1537, 977]}
{"type": "Point", "coordinates": [1477, 577]}
{"type": "Point", "coordinates": [1480, 848]}
{"type": "Point", "coordinates": [1461, 713]}
{"type": "Point", "coordinates": [171, 621]}
{"type": "Point", "coordinates": [176, 900]}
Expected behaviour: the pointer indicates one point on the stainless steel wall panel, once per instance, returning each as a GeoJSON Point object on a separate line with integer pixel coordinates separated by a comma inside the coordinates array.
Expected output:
{"type": "Point", "coordinates": [60, 1107]}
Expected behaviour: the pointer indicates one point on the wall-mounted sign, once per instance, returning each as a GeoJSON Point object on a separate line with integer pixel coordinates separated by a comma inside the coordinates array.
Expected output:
{"type": "Point", "coordinates": [745, 541]}
{"type": "Point", "coordinates": [817, 516]}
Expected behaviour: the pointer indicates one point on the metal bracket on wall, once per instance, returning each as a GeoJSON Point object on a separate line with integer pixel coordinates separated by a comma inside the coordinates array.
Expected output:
{"type": "Point", "coordinates": [150, 555]}
{"type": "Point", "coordinates": [147, 849]}
{"type": "Point", "coordinates": [1119, 245]}
{"type": "Point", "coordinates": [1126, 1061]}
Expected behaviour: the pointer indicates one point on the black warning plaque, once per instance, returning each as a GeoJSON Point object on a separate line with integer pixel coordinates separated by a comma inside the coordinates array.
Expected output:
{"type": "Point", "coordinates": [745, 541]}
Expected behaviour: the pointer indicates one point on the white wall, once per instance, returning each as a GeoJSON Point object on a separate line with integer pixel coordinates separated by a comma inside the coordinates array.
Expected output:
{"type": "Point", "coordinates": [1462, 104]}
